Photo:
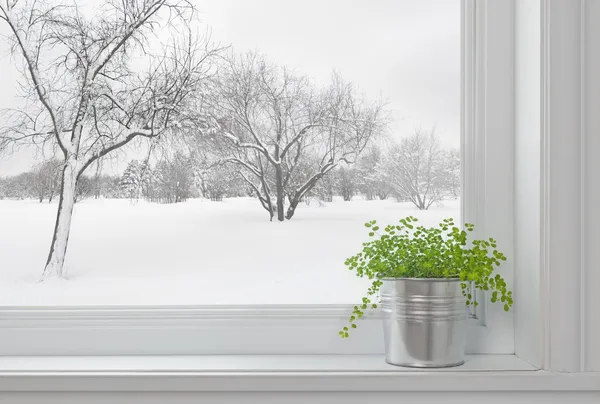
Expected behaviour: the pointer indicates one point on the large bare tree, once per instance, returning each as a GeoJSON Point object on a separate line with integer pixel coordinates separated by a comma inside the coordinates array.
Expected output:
{"type": "Point", "coordinates": [82, 70]}
{"type": "Point", "coordinates": [284, 133]}
{"type": "Point", "coordinates": [421, 171]}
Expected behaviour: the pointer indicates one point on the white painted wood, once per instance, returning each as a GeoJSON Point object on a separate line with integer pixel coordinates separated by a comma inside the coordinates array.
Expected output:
{"type": "Point", "coordinates": [561, 172]}
{"type": "Point", "coordinates": [197, 330]}
{"type": "Point", "coordinates": [528, 328]}
{"type": "Point", "coordinates": [591, 184]}
{"type": "Point", "coordinates": [494, 397]}
{"type": "Point", "coordinates": [298, 379]}
{"type": "Point", "coordinates": [488, 149]}
{"type": "Point", "coordinates": [242, 363]}
{"type": "Point", "coordinates": [566, 196]}
{"type": "Point", "coordinates": [471, 148]}
{"type": "Point", "coordinates": [524, 381]}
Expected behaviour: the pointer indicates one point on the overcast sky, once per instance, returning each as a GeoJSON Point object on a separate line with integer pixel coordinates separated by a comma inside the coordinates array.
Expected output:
{"type": "Point", "coordinates": [406, 51]}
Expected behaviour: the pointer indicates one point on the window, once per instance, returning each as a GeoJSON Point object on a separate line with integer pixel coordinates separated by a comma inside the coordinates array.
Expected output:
{"type": "Point", "coordinates": [316, 128]}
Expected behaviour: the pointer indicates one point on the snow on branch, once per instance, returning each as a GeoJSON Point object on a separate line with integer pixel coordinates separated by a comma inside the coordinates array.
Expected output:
{"type": "Point", "coordinates": [299, 131]}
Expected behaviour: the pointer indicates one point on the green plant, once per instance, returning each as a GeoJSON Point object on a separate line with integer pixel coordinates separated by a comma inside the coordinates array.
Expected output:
{"type": "Point", "coordinates": [406, 250]}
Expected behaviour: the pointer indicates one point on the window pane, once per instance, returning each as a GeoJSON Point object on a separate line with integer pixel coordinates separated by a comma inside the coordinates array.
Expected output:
{"type": "Point", "coordinates": [230, 160]}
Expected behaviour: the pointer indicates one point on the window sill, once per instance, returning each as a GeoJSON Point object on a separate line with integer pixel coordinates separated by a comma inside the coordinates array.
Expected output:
{"type": "Point", "coordinates": [277, 373]}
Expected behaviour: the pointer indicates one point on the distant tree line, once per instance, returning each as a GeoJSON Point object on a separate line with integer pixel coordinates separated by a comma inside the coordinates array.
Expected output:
{"type": "Point", "coordinates": [417, 170]}
{"type": "Point", "coordinates": [42, 183]}
{"type": "Point", "coordinates": [169, 181]}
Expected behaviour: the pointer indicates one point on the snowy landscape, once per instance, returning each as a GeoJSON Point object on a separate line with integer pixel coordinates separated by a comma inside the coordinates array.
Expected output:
{"type": "Point", "coordinates": [197, 252]}
{"type": "Point", "coordinates": [179, 152]}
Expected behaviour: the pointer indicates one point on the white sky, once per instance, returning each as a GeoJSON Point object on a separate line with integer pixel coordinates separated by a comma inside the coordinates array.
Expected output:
{"type": "Point", "coordinates": [407, 51]}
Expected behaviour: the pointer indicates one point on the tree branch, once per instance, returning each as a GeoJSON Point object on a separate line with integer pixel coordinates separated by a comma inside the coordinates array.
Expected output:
{"type": "Point", "coordinates": [135, 133]}
{"type": "Point", "coordinates": [63, 143]}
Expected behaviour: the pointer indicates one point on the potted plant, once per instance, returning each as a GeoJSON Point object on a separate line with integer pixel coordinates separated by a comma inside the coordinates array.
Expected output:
{"type": "Point", "coordinates": [423, 276]}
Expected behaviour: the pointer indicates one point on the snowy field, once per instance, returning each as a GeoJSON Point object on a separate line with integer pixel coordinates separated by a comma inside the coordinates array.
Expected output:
{"type": "Point", "coordinates": [198, 252]}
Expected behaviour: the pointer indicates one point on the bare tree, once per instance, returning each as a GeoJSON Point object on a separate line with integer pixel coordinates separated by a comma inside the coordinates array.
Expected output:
{"type": "Point", "coordinates": [273, 122]}
{"type": "Point", "coordinates": [19, 186]}
{"type": "Point", "coordinates": [39, 183]}
{"type": "Point", "coordinates": [46, 179]}
{"type": "Point", "coordinates": [219, 181]}
{"type": "Point", "coordinates": [105, 186]}
{"type": "Point", "coordinates": [89, 98]}
{"type": "Point", "coordinates": [346, 182]}
{"type": "Point", "coordinates": [212, 178]}
{"type": "Point", "coordinates": [175, 179]}
{"type": "Point", "coordinates": [96, 180]}
{"type": "Point", "coordinates": [421, 171]}
{"type": "Point", "coordinates": [452, 172]}
{"type": "Point", "coordinates": [370, 181]}
{"type": "Point", "coordinates": [84, 188]}
{"type": "Point", "coordinates": [324, 189]}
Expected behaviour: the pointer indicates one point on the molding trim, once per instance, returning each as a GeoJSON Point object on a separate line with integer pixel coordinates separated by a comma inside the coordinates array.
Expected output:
{"type": "Point", "coordinates": [527, 381]}
{"type": "Point", "coordinates": [258, 330]}
{"type": "Point", "coordinates": [527, 211]}
{"type": "Point", "coordinates": [591, 187]}
{"type": "Point", "coordinates": [471, 147]}
{"type": "Point", "coordinates": [488, 140]}
{"type": "Point", "coordinates": [36, 317]}
{"type": "Point", "coordinates": [563, 220]}
{"type": "Point", "coordinates": [544, 183]}
{"type": "Point", "coordinates": [582, 170]}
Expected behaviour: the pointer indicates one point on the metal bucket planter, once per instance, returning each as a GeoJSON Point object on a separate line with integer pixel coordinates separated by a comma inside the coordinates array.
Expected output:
{"type": "Point", "coordinates": [425, 322]}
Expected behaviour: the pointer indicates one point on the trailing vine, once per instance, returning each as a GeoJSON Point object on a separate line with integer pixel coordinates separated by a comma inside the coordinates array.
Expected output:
{"type": "Point", "coordinates": [406, 250]}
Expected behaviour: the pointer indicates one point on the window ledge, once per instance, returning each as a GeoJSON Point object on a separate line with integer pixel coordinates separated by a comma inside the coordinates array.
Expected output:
{"type": "Point", "coordinates": [277, 373]}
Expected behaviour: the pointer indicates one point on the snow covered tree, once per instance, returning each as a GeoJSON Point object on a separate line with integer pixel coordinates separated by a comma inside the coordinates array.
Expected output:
{"type": "Point", "coordinates": [131, 180]}
{"type": "Point", "coordinates": [370, 182]}
{"type": "Point", "coordinates": [46, 179]}
{"type": "Point", "coordinates": [39, 183]}
{"type": "Point", "coordinates": [420, 171]}
{"type": "Point", "coordinates": [452, 172]}
{"type": "Point", "coordinates": [106, 186]}
{"type": "Point", "coordinates": [20, 186]}
{"type": "Point", "coordinates": [324, 189]}
{"type": "Point", "coordinates": [346, 182]}
{"type": "Point", "coordinates": [148, 182]}
{"type": "Point", "coordinates": [271, 122]}
{"type": "Point", "coordinates": [84, 189]}
{"type": "Point", "coordinates": [219, 181]}
{"type": "Point", "coordinates": [175, 179]}
{"type": "Point", "coordinates": [88, 97]}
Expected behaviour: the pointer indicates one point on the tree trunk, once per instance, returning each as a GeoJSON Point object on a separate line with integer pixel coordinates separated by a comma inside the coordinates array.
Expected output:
{"type": "Point", "coordinates": [292, 208]}
{"type": "Point", "coordinates": [298, 195]}
{"type": "Point", "coordinates": [280, 194]}
{"type": "Point", "coordinates": [62, 228]}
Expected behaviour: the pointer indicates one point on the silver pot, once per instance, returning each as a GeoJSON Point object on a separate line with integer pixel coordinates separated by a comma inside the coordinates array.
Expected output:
{"type": "Point", "coordinates": [425, 322]}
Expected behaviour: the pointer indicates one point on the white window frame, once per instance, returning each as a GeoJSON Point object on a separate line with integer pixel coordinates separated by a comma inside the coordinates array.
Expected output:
{"type": "Point", "coordinates": [552, 266]}
{"type": "Point", "coordinates": [487, 149]}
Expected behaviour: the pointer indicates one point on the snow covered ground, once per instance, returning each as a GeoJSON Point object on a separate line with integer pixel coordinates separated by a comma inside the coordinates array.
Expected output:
{"type": "Point", "coordinates": [198, 252]}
